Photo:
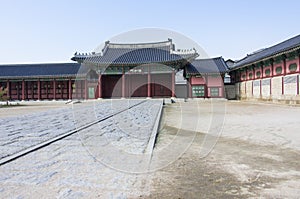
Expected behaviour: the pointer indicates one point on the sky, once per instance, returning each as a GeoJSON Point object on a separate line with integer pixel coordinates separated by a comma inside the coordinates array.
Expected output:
{"type": "Point", "coordinates": [34, 31]}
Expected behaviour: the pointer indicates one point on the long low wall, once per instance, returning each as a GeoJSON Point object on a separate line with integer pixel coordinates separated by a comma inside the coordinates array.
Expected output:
{"type": "Point", "coordinates": [277, 89]}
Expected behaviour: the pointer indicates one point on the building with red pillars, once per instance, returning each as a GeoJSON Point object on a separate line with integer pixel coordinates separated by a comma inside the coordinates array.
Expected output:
{"type": "Point", "coordinates": [205, 78]}
{"type": "Point", "coordinates": [135, 70]}
{"type": "Point", "coordinates": [270, 74]}
{"type": "Point", "coordinates": [42, 81]}
{"type": "Point", "coordinates": [145, 70]}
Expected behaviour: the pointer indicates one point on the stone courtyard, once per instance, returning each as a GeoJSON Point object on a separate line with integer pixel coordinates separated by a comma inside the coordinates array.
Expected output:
{"type": "Point", "coordinates": [204, 149]}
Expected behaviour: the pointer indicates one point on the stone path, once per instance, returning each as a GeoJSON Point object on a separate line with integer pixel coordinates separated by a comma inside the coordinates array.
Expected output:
{"type": "Point", "coordinates": [21, 132]}
{"type": "Point", "coordinates": [100, 161]}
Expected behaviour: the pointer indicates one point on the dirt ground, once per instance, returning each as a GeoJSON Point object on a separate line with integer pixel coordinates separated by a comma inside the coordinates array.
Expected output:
{"type": "Point", "coordinates": [240, 166]}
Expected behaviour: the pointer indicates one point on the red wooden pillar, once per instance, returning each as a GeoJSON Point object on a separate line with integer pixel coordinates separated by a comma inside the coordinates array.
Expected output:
{"type": "Point", "coordinates": [173, 83]}
{"type": "Point", "coordinates": [297, 84]}
{"type": "Point", "coordinates": [189, 88]}
{"type": "Point", "coordinates": [149, 83]}
{"type": "Point", "coordinates": [62, 88]}
{"type": "Point", "coordinates": [70, 89]}
{"type": "Point", "coordinates": [298, 75]}
{"type": "Point", "coordinates": [206, 87]}
{"type": "Point", "coordinates": [271, 76]}
{"type": "Point", "coordinates": [76, 88]}
{"type": "Point", "coordinates": [54, 89]}
{"type": "Point", "coordinates": [86, 89]}
{"type": "Point", "coordinates": [282, 85]}
{"type": "Point", "coordinates": [284, 67]}
{"type": "Point", "coordinates": [272, 68]}
{"type": "Point", "coordinates": [123, 83]}
{"type": "Point", "coordinates": [260, 88]}
{"type": "Point", "coordinates": [8, 89]}
{"type": "Point", "coordinates": [100, 86]}
{"type": "Point", "coordinates": [39, 89]}
{"type": "Point", "coordinates": [23, 89]}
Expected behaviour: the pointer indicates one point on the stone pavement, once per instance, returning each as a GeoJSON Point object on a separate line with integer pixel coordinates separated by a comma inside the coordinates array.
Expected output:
{"type": "Point", "coordinates": [100, 161]}
{"type": "Point", "coordinates": [21, 132]}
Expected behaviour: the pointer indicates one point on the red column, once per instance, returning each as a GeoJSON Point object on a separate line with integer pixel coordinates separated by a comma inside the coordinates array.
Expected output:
{"type": "Point", "coordinates": [23, 89]}
{"type": "Point", "coordinates": [190, 88]}
{"type": "Point", "coordinates": [70, 89]}
{"type": "Point", "coordinates": [39, 89]}
{"type": "Point", "coordinates": [54, 89]}
{"type": "Point", "coordinates": [76, 88]}
{"type": "Point", "coordinates": [86, 89]}
{"type": "Point", "coordinates": [298, 75]}
{"type": "Point", "coordinates": [100, 86]}
{"type": "Point", "coordinates": [173, 83]}
{"type": "Point", "coordinates": [284, 67]}
{"type": "Point", "coordinates": [272, 68]}
{"type": "Point", "coordinates": [149, 82]}
{"type": "Point", "coordinates": [297, 84]}
{"type": "Point", "coordinates": [206, 87]}
{"type": "Point", "coordinates": [8, 89]}
{"type": "Point", "coordinates": [62, 88]}
{"type": "Point", "coordinates": [123, 84]}
{"type": "Point", "coordinates": [282, 85]}
{"type": "Point", "coordinates": [260, 88]}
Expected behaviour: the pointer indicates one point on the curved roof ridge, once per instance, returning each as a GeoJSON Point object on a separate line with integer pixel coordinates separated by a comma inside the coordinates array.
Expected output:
{"type": "Point", "coordinates": [139, 45]}
{"type": "Point", "coordinates": [213, 58]}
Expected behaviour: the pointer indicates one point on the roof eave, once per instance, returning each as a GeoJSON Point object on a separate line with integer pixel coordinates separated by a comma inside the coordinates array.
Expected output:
{"type": "Point", "coordinates": [264, 59]}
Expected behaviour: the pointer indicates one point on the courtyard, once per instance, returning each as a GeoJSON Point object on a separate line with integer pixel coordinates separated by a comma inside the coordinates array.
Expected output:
{"type": "Point", "coordinates": [204, 149]}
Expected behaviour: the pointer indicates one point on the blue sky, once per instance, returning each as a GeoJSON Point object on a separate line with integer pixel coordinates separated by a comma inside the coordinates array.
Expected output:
{"type": "Point", "coordinates": [34, 31]}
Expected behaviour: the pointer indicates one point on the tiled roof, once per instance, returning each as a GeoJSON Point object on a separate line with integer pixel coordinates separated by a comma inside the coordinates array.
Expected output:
{"type": "Point", "coordinates": [268, 52]}
{"type": "Point", "coordinates": [207, 66]}
{"type": "Point", "coordinates": [144, 53]}
{"type": "Point", "coordinates": [41, 70]}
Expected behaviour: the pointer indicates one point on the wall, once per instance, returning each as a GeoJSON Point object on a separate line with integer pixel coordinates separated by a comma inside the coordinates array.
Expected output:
{"type": "Point", "coordinates": [210, 81]}
{"type": "Point", "coordinates": [181, 90]}
{"type": "Point", "coordinates": [230, 91]}
{"type": "Point", "coordinates": [275, 85]}
{"type": "Point", "coordinates": [278, 89]}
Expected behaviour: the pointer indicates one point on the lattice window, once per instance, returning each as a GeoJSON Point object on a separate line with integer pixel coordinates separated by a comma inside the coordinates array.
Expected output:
{"type": "Point", "coordinates": [198, 91]}
{"type": "Point", "coordinates": [258, 74]}
{"type": "Point", "coordinates": [268, 72]}
{"type": "Point", "coordinates": [278, 70]}
{"type": "Point", "coordinates": [250, 75]}
{"type": "Point", "coordinates": [214, 91]}
{"type": "Point", "coordinates": [293, 67]}
{"type": "Point", "coordinates": [243, 77]}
